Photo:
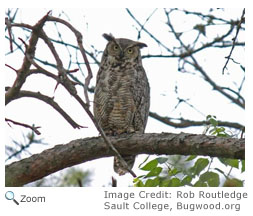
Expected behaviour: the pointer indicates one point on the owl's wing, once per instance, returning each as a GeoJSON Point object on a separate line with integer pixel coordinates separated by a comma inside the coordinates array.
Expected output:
{"type": "Point", "coordinates": [142, 99]}
{"type": "Point", "coordinates": [101, 99]}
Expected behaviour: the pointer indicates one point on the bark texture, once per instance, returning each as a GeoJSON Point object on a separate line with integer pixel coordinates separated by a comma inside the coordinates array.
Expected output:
{"type": "Point", "coordinates": [81, 150]}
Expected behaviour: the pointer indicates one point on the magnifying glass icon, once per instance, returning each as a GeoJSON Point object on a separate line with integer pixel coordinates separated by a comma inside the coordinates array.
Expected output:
{"type": "Point", "coordinates": [9, 195]}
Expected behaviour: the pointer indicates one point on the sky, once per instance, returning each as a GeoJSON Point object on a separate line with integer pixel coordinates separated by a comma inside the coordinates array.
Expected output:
{"type": "Point", "coordinates": [162, 73]}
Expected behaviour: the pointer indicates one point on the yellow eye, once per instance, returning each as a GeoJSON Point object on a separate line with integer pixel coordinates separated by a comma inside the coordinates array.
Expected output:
{"type": "Point", "coordinates": [115, 47]}
{"type": "Point", "coordinates": [130, 51]}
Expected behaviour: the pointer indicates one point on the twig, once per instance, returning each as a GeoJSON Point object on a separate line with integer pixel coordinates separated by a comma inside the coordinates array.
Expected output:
{"type": "Point", "coordinates": [183, 123]}
{"type": "Point", "coordinates": [145, 30]}
{"type": "Point", "coordinates": [50, 102]}
{"type": "Point", "coordinates": [90, 54]}
{"type": "Point", "coordinates": [234, 39]}
{"type": "Point", "coordinates": [79, 38]}
{"type": "Point", "coordinates": [8, 24]}
{"type": "Point", "coordinates": [35, 129]}
{"type": "Point", "coordinates": [11, 68]}
{"type": "Point", "coordinates": [148, 18]}
{"type": "Point", "coordinates": [195, 64]}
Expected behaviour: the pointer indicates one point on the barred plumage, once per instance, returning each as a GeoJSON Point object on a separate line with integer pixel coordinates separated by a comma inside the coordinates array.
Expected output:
{"type": "Point", "coordinates": [122, 98]}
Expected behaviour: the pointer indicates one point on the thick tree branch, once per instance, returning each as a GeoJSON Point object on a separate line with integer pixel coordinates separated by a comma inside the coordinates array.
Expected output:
{"type": "Point", "coordinates": [82, 150]}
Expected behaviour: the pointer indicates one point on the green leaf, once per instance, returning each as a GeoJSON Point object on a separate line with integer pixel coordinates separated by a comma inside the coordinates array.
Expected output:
{"type": "Point", "coordinates": [174, 182]}
{"type": "Point", "coordinates": [152, 182]}
{"type": "Point", "coordinates": [150, 165]}
{"type": "Point", "coordinates": [223, 135]}
{"type": "Point", "coordinates": [174, 171]}
{"type": "Point", "coordinates": [164, 183]}
{"type": "Point", "coordinates": [186, 180]}
{"type": "Point", "coordinates": [199, 165]}
{"type": "Point", "coordinates": [243, 165]}
{"type": "Point", "coordinates": [141, 176]}
{"type": "Point", "coordinates": [139, 184]}
{"type": "Point", "coordinates": [154, 172]}
{"type": "Point", "coordinates": [156, 181]}
{"type": "Point", "coordinates": [144, 161]}
{"type": "Point", "coordinates": [213, 122]}
{"type": "Point", "coordinates": [136, 180]}
{"type": "Point", "coordinates": [162, 160]}
{"type": "Point", "coordinates": [213, 131]}
{"type": "Point", "coordinates": [200, 184]}
{"type": "Point", "coordinates": [149, 183]}
{"type": "Point", "coordinates": [191, 157]}
{"type": "Point", "coordinates": [230, 162]}
{"type": "Point", "coordinates": [211, 178]}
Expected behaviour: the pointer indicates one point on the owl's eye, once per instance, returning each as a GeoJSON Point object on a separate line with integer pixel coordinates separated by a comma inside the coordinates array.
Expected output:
{"type": "Point", "coordinates": [115, 47]}
{"type": "Point", "coordinates": [130, 51]}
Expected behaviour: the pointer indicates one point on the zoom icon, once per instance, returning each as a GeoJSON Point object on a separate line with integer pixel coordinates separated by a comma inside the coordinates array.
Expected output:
{"type": "Point", "coordinates": [9, 195]}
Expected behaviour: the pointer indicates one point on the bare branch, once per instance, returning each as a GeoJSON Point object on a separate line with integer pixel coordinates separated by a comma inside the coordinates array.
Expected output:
{"type": "Point", "coordinates": [216, 87]}
{"type": "Point", "coordinates": [82, 50]}
{"type": "Point", "coordinates": [11, 68]}
{"type": "Point", "coordinates": [195, 64]}
{"type": "Point", "coordinates": [23, 72]}
{"type": "Point", "coordinates": [33, 128]}
{"type": "Point", "coordinates": [242, 20]}
{"type": "Point", "coordinates": [8, 24]}
{"type": "Point", "coordinates": [82, 150]}
{"type": "Point", "coordinates": [150, 34]}
{"type": "Point", "coordinates": [50, 101]}
{"type": "Point", "coordinates": [183, 123]}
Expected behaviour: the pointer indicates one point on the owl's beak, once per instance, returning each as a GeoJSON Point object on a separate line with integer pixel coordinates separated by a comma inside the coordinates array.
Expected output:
{"type": "Point", "coordinates": [121, 55]}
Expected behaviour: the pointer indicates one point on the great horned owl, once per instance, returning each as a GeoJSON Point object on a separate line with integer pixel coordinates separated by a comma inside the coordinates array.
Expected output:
{"type": "Point", "coordinates": [122, 98]}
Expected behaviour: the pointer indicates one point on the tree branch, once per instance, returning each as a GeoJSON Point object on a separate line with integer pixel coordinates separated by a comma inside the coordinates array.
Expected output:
{"type": "Point", "coordinates": [197, 67]}
{"type": "Point", "coordinates": [33, 128]}
{"type": "Point", "coordinates": [23, 72]}
{"type": "Point", "coordinates": [183, 123]}
{"type": "Point", "coordinates": [242, 20]}
{"type": "Point", "coordinates": [78, 151]}
{"type": "Point", "coordinates": [50, 101]}
{"type": "Point", "coordinates": [79, 39]}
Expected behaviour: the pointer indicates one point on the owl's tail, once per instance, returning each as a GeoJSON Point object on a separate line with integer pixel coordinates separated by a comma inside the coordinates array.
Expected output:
{"type": "Point", "coordinates": [118, 168]}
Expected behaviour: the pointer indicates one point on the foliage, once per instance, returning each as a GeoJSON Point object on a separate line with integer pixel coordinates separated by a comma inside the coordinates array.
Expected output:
{"type": "Point", "coordinates": [22, 146]}
{"type": "Point", "coordinates": [75, 178]}
{"type": "Point", "coordinates": [192, 171]}
{"type": "Point", "coordinates": [72, 177]}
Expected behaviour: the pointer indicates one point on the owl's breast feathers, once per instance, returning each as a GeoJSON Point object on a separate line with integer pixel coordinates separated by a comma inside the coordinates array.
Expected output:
{"type": "Point", "coordinates": [121, 101]}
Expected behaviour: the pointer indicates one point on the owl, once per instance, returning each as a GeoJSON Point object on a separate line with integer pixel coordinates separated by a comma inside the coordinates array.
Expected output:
{"type": "Point", "coordinates": [122, 93]}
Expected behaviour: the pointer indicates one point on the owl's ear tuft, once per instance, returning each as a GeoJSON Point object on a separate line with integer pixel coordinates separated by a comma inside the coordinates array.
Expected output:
{"type": "Point", "coordinates": [141, 45]}
{"type": "Point", "coordinates": [108, 37]}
